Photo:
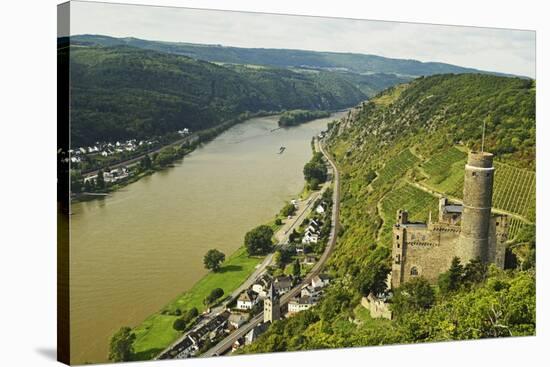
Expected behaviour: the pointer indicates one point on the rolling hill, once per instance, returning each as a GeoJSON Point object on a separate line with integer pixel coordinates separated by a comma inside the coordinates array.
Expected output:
{"type": "Point", "coordinates": [285, 58]}
{"type": "Point", "coordinates": [122, 92]}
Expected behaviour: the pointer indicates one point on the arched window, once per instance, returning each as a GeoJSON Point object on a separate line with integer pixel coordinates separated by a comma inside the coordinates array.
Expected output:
{"type": "Point", "coordinates": [414, 271]}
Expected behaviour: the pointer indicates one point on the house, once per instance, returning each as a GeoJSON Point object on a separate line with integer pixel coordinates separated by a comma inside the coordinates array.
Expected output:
{"type": "Point", "coordinates": [255, 333]}
{"type": "Point", "coordinates": [320, 209]}
{"type": "Point", "coordinates": [261, 286]}
{"type": "Point", "coordinates": [299, 304]}
{"type": "Point", "coordinates": [247, 300]}
{"type": "Point", "coordinates": [310, 238]}
{"type": "Point", "coordinates": [320, 281]}
{"type": "Point", "coordinates": [282, 284]}
{"type": "Point", "coordinates": [238, 343]}
{"type": "Point", "coordinates": [314, 293]}
{"type": "Point", "coordinates": [236, 320]}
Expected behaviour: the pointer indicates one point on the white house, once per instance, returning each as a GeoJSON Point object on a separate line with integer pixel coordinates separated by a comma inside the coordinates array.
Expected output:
{"type": "Point", "coordinates": [320, 209]}
{"type": "Point", "coordinates": [320, 281]}
{"type": "Point", "coordinates": [236, 320]}
{"type": "Point", "coordinates": [310, 238]}
{"type": "Point", "coordinates": [246, 300]}
{"type": "Point", "coordinates": [300, 304]}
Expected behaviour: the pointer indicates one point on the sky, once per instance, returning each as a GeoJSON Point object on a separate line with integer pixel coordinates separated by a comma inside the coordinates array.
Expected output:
{"type": "Point", "coordinates": [491, 49]}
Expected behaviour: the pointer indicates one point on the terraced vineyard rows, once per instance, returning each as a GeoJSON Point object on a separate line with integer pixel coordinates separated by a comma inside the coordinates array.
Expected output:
{"type": "Point", "coordinates": [514, 227]}
{"type": "Point", "coordinates": [515, 190]}
{"type": "Point", "coordinates": [417, 202]}
{"type": "Point", "coordinates": [395, 168]}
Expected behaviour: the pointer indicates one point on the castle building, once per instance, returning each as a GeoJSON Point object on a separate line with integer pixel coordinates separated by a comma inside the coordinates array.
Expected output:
{"type": "Point", "coordinates": [272, 307]}
{"type": "Point", "coordinates": [467, 231]}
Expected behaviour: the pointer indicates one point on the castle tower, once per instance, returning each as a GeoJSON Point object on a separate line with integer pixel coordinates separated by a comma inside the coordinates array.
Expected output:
{"type": "Point", "coordinates": [476, 215]}
{"type": "Point", "coordinates": [272, 307]}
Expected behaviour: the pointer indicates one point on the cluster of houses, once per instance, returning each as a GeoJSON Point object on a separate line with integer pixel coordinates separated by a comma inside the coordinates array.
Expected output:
{"type": "Point", "coordinates": [111, 176]}
{"type": "Point", "coordinates": [108, 149]}
{"type": "Point", "coordinates": [195, 339]}
{"type": "Point", "coordinates": [312, 232]}
{"type": "Point", "coordinates": [259, 290]}
{"type": "Point", "coordinates": [309, 295]}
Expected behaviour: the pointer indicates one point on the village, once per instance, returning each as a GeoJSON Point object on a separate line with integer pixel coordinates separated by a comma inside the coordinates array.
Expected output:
{"type": "Point", "coordinates": [262, 300]}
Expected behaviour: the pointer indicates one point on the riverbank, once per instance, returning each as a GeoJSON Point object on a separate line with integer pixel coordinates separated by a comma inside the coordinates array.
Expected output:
{"type": "Point", "coordinates": [146, 164]}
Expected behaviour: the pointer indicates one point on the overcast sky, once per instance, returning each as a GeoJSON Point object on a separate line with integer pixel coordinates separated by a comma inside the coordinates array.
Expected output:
{"type": "Point", "coordinates": [502, 50]}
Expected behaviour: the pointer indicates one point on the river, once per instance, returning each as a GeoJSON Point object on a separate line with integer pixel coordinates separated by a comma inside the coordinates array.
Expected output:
{"type": "Point", "coordinates": [134, 251]}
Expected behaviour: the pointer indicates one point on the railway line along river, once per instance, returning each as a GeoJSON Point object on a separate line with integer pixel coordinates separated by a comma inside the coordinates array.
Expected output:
{"type": "Point", "coordinates": [136, 250]}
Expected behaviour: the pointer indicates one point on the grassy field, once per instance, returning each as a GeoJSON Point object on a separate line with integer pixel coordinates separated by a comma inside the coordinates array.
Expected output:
{"type": "Point", "coordinates": [156, 332]}
{"type": "Point", "coordinates": [395, 168]}
{"type": "Point", "coordinates": [417, 202]}
{"type": "Point", "coordinates": [446, 171]}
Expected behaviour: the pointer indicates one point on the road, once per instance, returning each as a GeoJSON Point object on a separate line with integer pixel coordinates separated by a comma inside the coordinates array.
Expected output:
{"type": "Point", "coordinates": [304, 208]}
{"type": "Point", "coordinates": [227, 342]}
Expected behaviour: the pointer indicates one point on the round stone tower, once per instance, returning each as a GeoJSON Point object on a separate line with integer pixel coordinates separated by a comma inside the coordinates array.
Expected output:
{"type": "Point", "coordinates": [476, 214]}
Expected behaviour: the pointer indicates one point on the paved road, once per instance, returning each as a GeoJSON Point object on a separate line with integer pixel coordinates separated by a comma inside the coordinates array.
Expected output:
{"type": "Point", "coordinates": [227, 342]}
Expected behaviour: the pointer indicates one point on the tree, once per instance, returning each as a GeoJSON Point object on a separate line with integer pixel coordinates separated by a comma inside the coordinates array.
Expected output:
{"type": "Point", "coordinates": [214, 295]}
{"type": "Point", "coordinates": [315, 171]}
{"type": "Point", "coordinates": [288, 209]}
{"type": "Point", "coordinates": [213, 259]}
{"type": "Point", "coordinates": [296, 268]}
{"type": "Point", "coordinates": [450, 280]}
{"type": "Point", "coordinates": [179, 324]}
{"type": "Point", "coordinates": [120, 347]}
{"type": "Point", "coordinates": [373, 278]}
{"type": "Point", "coordinates": [100, 182]}
{"type": "Point", "coordinates": [146, 163]}
{"type": "Point", "coordinates": [191, 314]}
{"type": "Point", "coordinates": [475, 271]}
{"type": "Point", "coordinates": [278, 259]}
{"type": "Point", "coordinates": [415, 295]}
{"type": "Point", "coordinates": [258, 241]}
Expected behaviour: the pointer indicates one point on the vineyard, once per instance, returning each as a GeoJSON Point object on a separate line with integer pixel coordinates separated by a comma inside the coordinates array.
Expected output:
{"type": "Point", "coordinates": [417, 202]}
{"type": "Point", "coordinates": [514, 188]}
{"type": "Point", "coordinates": [395, 168]}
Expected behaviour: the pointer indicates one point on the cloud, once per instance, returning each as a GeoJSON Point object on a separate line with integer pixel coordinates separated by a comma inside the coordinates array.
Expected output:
{"type": "Point", "coordinates": [503, 50]}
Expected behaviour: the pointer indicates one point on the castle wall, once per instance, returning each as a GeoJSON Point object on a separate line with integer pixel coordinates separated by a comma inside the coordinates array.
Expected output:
{"type": "Point", "coordinates": [425, 251]}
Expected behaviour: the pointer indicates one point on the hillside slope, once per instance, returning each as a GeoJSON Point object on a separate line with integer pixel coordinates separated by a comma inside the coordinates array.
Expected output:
{"type": "Point", "coordinates": [401, 150]}
{"type": "Point", "coordinates": [124, 92]}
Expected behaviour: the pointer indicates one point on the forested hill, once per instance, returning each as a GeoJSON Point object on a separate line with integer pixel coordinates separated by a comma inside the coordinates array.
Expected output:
{"type": "Point", "coordinates": [125, 92]}
{"type": "Point", "coordinates": [284, 58]}
{"type": "Point", "coordinates": [401, 150]}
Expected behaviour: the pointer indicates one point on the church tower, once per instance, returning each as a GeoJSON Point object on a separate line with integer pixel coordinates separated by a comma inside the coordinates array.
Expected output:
{"type": "Point", "coordinates": [272, 307]}
{"type": "Point", "coordinates": [476, 215]}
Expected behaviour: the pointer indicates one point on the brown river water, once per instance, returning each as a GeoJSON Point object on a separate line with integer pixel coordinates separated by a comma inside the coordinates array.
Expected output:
{"type": "Point", "coordinates": [134, 251]}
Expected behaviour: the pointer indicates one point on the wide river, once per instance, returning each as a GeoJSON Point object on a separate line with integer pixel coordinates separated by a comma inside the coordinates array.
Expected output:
{"type": "Point", "coordinates": [134, 251]}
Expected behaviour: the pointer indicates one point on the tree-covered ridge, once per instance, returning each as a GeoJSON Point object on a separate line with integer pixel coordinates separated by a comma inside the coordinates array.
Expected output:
{"type": "Point", "coordinates": [391, 152]}
{"type": "Point", "coordinates": [284, 58]}
{"type": "Point", "coordinates": [123, 92]}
